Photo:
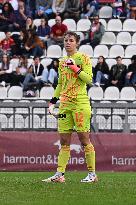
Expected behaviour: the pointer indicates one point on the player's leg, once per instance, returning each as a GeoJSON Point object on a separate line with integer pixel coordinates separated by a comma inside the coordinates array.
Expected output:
{"type": "Point", "coordinates": [89, 155]}
{"type": "Point", "coordinates": [65, 128]}
{"type": "Point", "coordinates": [82, 125]}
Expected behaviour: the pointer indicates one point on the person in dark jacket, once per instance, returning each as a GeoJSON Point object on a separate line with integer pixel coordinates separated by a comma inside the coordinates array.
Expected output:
{"type": "Point", "coordinates": [101, 72]}
{"type": "Point", "coordinates": [131, 72]}
{"type": "Point", "coordinates": [117, 74]}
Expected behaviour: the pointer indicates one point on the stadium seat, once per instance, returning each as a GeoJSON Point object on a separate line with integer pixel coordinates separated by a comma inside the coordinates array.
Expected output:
{"type": "Point", "coordinates": [134, 38]}
{"type": "Point", "coordinates": [19, 121]}
{"type": "Point", "coordinates": [108, 38]}
{"type": "Point", "coordinates": [116, 50]}
{"type": "Point", "coordinates": [3, 92]}
{"type": "Point", "coordinates": [101, 122]}
{"type": "Point", "coordinates": [129, 25]}
{"type": "Point", "coordinates": [14, 62]}
{"type": "Point", "coordinates": [94, 61]}
{"type": "Point", "coordinates": [128, 93]}
{"type": "Point", "coordinates": [40, 111]}
{"type": "Point", "coordinates": [95, 93]}
{"type": "Point", "coordinates": [132, 122]}
{"type": "Point", "coordinates": [46, 61]}
{"type": "Point", "coordinates": [105, 12]}
{"type": "Point", "coordinates": [116, 123]}
{"type": "Point", "coordinates": [3, 121]}
{"type": "Point", "coordinates": [54, 51]}
{"type": "Point", "coordinates": [104, 111]}
{"type": "Point", "coordinates": [21, 110]}
{"type": "Point", "coordinates": [110, 62]}
{"type": "Point", "coordinates": [29, 61]}
{"type": "Point", "coordinates": [103, 21]}
{"type": "Point", "coordinates": [2, 35]}
{"type": "Point", "coordinates": [64, 52]}
{"type": "Point", "coordinates": [101, 50]}
{"type": "Point", "coordinates": [51, 22]}
{"type": "Point", "coordinates": [70, 23]}
{"type": "Point", "coordinates": [111, 93]}
{"type": "Point", "coordinates": [7, 110]}
{"type": "Point", "coordinates": [83, 25]}
{"type": "Point", "coordinates": [15, 92]}
{"type": "Point", "coordinates": [114, 25]}
{"type": "Point", "coordinates": [37, 22]}
{"type": "Point", "coordinates": [36, 122]}
{"type": "Point", "coordinates": [119, 111]}
{"type": "Point", "coordinates": [46, 93]}
{"type": "Point", "coordinates": [132, 111]}
{"type": "Point", "coordinates": [51, 121]}
{"type": "Point", "coordinates": [126, 61]}
{"type": "Point", "coordinates": [81, 34]}
{"type": "Point", "coordinates": [124, 35]}
{"type": "Point", "coordinates": [130, 51]}
{"type": "Point", "coordinates": [87, 49]}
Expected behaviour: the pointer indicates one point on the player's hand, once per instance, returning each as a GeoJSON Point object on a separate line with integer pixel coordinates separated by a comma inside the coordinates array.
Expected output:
{"type": "Point", "coordinates": [70, 61]}
{"type": "Point", "coordinates": [71, 64]}
{"type": "Point", "coordinates": [51, 108]}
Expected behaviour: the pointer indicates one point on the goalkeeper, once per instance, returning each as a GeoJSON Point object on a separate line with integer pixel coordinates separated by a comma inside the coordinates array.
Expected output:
{"type": "Point", "coordinates": [75, 71]}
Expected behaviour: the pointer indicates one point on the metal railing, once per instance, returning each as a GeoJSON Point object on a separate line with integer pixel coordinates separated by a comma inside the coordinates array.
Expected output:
{"type": "Point", "coordinates": [106, 117]}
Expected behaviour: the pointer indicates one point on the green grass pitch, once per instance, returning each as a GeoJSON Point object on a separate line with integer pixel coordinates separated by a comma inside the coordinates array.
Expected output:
{"type": "Point", "coordinates": [26, 188]}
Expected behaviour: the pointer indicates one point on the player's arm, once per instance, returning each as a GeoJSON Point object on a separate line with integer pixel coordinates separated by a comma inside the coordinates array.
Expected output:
{"type": "Point", "coordinates": [84, 73]}
{"type": "Point", "coordinates": [56, 94]}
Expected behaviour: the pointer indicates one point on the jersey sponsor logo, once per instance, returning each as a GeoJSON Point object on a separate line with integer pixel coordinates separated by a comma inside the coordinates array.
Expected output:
{"type": "Point", "coordinates": [62, 116]}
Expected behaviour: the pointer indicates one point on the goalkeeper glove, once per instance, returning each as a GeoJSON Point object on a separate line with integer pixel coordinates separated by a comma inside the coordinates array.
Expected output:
{"type": "Point", "coordinates": [71, 64]}
{"type": "Point", "coordinates": [51, 108]}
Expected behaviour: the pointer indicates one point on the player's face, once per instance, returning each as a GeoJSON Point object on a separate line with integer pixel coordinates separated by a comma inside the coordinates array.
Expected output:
{"type": "Point", "coordinates": [70, 43]}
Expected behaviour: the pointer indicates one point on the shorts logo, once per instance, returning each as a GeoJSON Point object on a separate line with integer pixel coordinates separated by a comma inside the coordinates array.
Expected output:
{"type": "Point", "coordinates": [62, 116]}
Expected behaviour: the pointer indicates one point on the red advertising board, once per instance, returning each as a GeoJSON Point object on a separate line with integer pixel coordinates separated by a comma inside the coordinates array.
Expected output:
{"type": "Point", "coordinates": [37, 151]}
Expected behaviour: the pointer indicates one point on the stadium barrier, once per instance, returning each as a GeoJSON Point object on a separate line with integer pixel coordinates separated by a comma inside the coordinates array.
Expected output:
{"type": "Point", "coordinates": [37, 151]}
{"type": "Point", "coordinates": [109, 116]}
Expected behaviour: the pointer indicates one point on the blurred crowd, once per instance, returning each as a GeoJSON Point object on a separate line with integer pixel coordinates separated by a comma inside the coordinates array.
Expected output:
{"type": "Point", "coordinates": [23, 40]}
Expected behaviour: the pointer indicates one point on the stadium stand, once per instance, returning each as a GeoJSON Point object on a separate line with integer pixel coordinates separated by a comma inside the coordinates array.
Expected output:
{"type": "Point", "coordinates": [118, 40]}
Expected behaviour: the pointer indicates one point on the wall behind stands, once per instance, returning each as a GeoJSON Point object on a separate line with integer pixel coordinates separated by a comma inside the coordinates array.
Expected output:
{"type": "Point", "coordinates": [37, 151]}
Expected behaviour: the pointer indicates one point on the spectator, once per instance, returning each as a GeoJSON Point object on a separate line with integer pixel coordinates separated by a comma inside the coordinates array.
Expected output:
{"type": "Point", "coordinates": [43, 8]}
{"type": "Point", "coordinates": [72, 9]}
{"type": "Point", "coordinates": [57, 32]}
{"type": "Point", "coordinates": [91, 9]}
{"type": "Point", "coordinates": [43, 31]}
{"type": "Point", "coordinates": [21, 15]}
{"type": "Point", "coordinates": [132, 7]}
{"type": "Point", "coordinates": [36, 75]}
{"type": "Point", "coordinates": [52, 73]}
{"type": "Point", "coordinates": [101, 72]}
{"type": "Point", "coordinates": [58, 7]}
{"type": "Point", "coordinates": [5, 70]}
{"type": "Point", "coordinates": [117, 8]}
{"type": "Point", "coordinates": [6, 17]}
{"type": "Point", "coordinates": [95, 33]}
{"type": "Point", "coordinates": [30, 6]}
{"type": "Point", "coordinates": [20, 41]}
{"type": "Point", "coordinates": [7, 44]}
{"type": "Point", "coordinates": [20, 72]}
{"type": "Point", "coordinates": [117, 74]}
{"type": "Point", "coordinates": [34, 45]}
{"type": "Point", "coordinates": [30, 24]}
{"type": "Point", "coordinates": [131, 72]}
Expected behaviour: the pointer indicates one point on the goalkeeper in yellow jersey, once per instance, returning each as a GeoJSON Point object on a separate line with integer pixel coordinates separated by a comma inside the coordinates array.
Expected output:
{"type": "Point", "coordinates": [75, 71]}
